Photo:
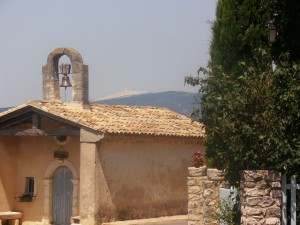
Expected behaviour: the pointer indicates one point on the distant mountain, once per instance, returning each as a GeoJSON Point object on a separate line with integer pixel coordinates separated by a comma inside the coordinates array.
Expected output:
{"type": "Point", "coordinates": [122, 94]}
{"type": "Point", "coordinates": [4, 109]}
{"type": "Point", "coordinates": [180, 102]}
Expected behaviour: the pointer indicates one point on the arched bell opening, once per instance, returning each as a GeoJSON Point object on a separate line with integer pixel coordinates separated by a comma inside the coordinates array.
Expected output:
{"type": "Point", "coordinates": [65, 78]}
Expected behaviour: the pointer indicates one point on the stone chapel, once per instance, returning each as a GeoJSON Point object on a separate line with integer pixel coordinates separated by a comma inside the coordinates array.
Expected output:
{"type": "Point", "coordinates": [76, 162]}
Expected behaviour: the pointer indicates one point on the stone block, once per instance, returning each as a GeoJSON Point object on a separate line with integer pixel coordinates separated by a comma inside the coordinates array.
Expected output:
{"type": "Point", "coordinates": [267, 202]}
{"type": "Point", "coordinates": [260, 201]}
{"type": "Point", "coordinates": [254, 201]}
{"type": "Point", "coordinates": [248, 185]}
{"type": "Point", "coordinates": [276, 193]}
{"type": "Point", "coordinates": [210, 222]}
{"type": "Point", "coordinates": [192, 181]}
{"type": "Point", "coordinates": [198, 181]}
{"type": "Point", "coordinates": [250, 221]}
{"type": "Point", "coordinates": [223, 184]}
{"type": "Point", "coordinates": [263, 184]}
{"type": "Point", "coordinates": [275, 184]}
{"type": "Point", "coordinates": [259, 218]}
{"type": "Point", "coordinates": [274, 175]}
{"type": "Point", "coordinates": [194, 197]}
{"type": "Point", "coordinates": [195, 172]}
{"type": "Point", "coordinates": [195, 217]}
{"type": "Point", "coordinates": [215, 175]}
{"type": "Point", "coordinates": [272, 221]}
{"type": "Point", "coordinates": [212, 203]}
{"type": "Point", "coordinates": [198, 211]}
{"type": "Point", "coordinates": [194, 190]}
{"type": "Point", "coordinates": [208, 184]}
{"type": "Point", "coordinates": [255, 192]}
{"type": "Point", "coordinates": [208, 193]}
{"type": "Point", "coordinates": [254, 212]}
{"type": "Point", "coordinates": [194, 222]}
{"type": "Point", "coordinates": [253, 175]}
{"type": "Point", "coordinates": [208, 219]}
{"type": "Point", "coordinates": [273, 212]}
{"type": "Point", "coordinates": [194, 204]}
{"type": "Point", "coordinates": [207, 202]}
{"type": "Point", "coordinates": [209, 211]}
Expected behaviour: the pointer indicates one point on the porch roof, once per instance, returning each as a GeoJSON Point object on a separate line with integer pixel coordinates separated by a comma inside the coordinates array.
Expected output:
{"type": "Point", "coordinates": [120, 119]}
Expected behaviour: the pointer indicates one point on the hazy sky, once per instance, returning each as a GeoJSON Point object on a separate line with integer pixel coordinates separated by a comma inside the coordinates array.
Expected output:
{"type": "Point", "coordinates": [145, 45]}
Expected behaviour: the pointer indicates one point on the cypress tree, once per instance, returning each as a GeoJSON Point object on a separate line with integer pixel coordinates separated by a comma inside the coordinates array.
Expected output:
{"type": "Point", "coordinates": [251, 113]}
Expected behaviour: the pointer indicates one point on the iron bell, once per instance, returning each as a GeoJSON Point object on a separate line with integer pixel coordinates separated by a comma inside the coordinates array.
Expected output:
{"type": "Point", "coordinates": [65, 82]}
{"type": "Point", "coordinates": [65, 70]}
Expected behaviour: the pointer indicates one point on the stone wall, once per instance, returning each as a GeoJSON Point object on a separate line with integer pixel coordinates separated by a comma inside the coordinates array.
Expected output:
{"type": "Point", "coordinates": [260, 195]}
{"type": "Point", "coordinates": [203, 195]}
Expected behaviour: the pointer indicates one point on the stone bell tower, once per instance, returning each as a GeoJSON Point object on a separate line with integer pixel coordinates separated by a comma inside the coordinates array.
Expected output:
{"type": "Point", "coordinates": [79, 70]}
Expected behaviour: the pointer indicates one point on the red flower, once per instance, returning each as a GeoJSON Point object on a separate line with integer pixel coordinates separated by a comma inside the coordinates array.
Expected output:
{"type": "Point", "coordinates": [198, 159]}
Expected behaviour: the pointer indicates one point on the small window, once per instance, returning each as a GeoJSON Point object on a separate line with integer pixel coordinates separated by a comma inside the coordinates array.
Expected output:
{"type": "Point", "coordinates": [29, 186]}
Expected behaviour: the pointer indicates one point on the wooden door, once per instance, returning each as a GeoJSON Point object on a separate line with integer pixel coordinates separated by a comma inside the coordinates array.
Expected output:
{"type": "Point", "coordinates": [62, 196]}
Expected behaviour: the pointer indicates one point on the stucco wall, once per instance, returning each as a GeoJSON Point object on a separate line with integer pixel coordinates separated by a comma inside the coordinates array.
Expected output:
{"type": "Point", "coordinates": [29, 157]}
{"type": "Point", "coordinates": [146, 176]}
{"type": "Point", "coordinates": [140, 176]}
{"type": "Point", "coordinates": [8, 171]}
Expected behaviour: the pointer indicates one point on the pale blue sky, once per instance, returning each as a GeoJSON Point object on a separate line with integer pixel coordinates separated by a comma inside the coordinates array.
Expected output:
{"type": "Point", "coordinates": [146, 45]}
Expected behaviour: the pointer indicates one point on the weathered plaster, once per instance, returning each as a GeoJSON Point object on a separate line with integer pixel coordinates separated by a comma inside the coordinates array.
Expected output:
{"type": "Point", "coordinates": [88, 196]}
{"type": "Point", "coordinates": [120, 176]}
{"type": "Point", "coordinates": [144, 176]}
{"type": "Point", "coordinates": [89, 135]}
{"type": "Point", "coordinates": [94, 198]}
{"type": "Point", "coordinates": [8, 172]}
{"type": "Point", "coordinates": [31, 157]}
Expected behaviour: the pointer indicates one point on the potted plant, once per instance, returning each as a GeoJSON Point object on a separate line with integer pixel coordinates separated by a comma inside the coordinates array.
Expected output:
{"type": "Point", "coordinates": [198, 160]}
{"type": "Point", "coordinates": [26, 198]}
{"type": "Point", "coordinates": [198, 165]}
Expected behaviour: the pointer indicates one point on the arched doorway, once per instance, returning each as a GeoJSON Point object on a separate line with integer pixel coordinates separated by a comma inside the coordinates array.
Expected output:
{"type": "Point", "coordinates": [49, 185]}
{"type": "Point", "coordinates": [62, 196]}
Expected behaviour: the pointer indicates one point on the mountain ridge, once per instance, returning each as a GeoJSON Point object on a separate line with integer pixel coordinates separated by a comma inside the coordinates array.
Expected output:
{"type": "Point", "coordinates": [177, 101]}
{"type": "Point", "coordinates": [122, 94]}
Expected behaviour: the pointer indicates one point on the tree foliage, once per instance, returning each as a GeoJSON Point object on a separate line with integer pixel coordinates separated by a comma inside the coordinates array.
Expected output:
{"type": "Point", "coordinates": [250, 112]}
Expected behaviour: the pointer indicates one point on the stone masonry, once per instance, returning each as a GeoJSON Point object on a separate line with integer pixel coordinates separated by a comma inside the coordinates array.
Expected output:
{"type": "Point", "coordinates": [79, 77]}
{"type": "Point", "coordinates": [260, 197]}
{"type": "Point", "coordinates": [203, 195]}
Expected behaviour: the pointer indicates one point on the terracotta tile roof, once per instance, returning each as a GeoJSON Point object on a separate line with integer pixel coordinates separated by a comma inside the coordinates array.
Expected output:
{"type": "Point", "coordinates": [121, 119]}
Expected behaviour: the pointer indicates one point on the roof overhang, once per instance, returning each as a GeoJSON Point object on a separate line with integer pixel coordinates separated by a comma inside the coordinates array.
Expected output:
{"type": "Point", "coordinates": [9, 124]}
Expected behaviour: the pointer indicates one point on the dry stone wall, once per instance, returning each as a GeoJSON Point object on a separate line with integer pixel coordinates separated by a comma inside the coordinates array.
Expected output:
{"type": "Point", "coordinates": [203, 195]}
{"type": "Point", "coordinates": [260, 197]}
